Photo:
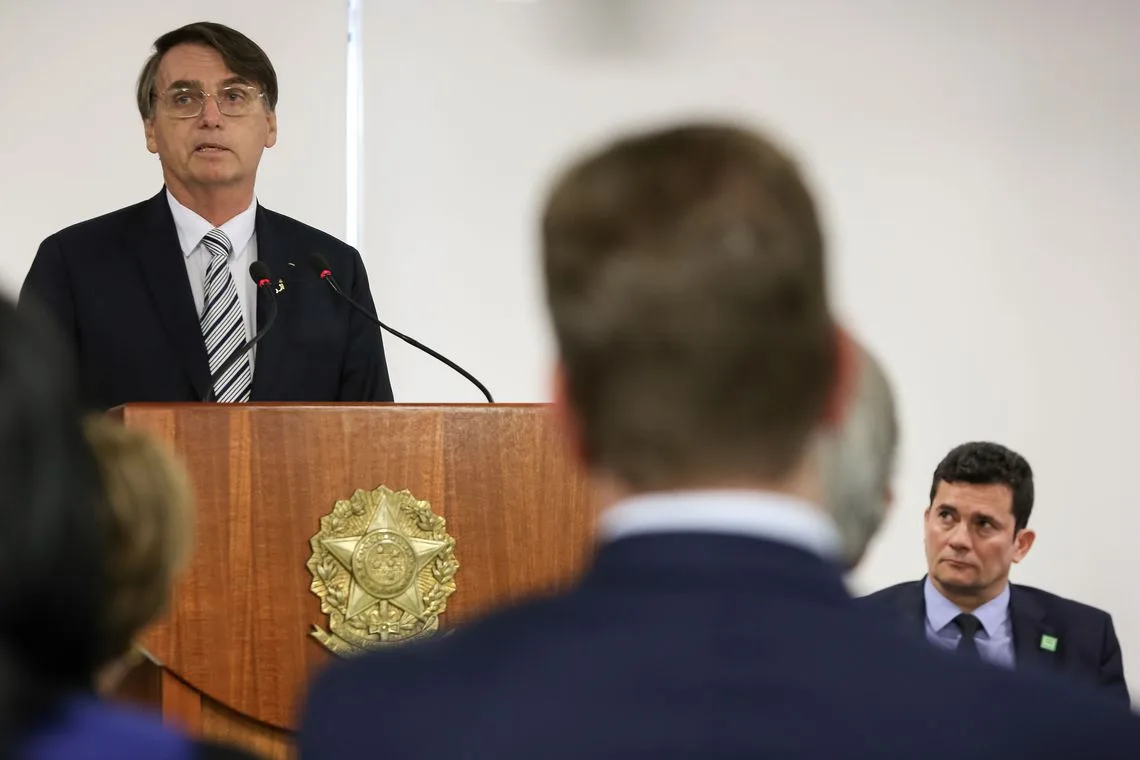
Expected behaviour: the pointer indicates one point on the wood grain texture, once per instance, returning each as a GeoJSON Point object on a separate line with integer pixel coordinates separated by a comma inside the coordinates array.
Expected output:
{"type": "Point", "coordinates": [264, 475]}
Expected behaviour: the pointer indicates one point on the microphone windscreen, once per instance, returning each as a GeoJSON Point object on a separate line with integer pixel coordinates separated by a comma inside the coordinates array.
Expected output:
{"type": "Point", "coordinates": [259, 272]}
{"type": "Point", "coordinates": [319, 264]}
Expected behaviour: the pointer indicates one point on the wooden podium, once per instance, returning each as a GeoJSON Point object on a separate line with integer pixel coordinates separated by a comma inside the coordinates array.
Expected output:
{"type": "Point", "coordinates": [232, 656]}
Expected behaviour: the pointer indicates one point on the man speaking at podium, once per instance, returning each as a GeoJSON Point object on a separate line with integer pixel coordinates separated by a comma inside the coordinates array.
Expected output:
{"type": "Point", "coordinates": [158, 298]}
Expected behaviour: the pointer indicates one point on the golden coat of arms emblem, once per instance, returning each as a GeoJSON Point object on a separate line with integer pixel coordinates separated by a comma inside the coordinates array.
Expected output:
{"type": "Point", "coordinates": [383, 566]}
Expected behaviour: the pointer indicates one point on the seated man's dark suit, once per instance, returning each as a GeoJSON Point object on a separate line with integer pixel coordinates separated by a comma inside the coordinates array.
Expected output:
{"type": "Point", "coordinates": [118, 287]}
{"type": "Point", "coordinates": [698, 645]}
{"type": "Point", "coordinates": [1083, 640]}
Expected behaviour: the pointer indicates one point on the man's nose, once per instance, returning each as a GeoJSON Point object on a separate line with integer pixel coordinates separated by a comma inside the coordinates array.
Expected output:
{"type": "Point", "coordinates": [211, 114]}
{"type": "Point", "coordinates": [960, 537]}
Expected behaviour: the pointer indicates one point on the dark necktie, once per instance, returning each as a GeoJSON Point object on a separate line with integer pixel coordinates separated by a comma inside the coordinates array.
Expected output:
{"type": "Point", "coordinates": [969, 626]}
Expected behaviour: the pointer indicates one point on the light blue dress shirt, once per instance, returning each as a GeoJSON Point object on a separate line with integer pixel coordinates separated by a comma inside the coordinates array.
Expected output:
{"type": "Point", "coordinates": [995, 639]}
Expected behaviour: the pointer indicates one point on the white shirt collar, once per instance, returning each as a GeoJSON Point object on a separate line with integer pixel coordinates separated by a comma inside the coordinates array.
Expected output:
{"type": "Point", "coordinates": [192, 228]}
{"type": "Point", "coordinates": [758, 514]}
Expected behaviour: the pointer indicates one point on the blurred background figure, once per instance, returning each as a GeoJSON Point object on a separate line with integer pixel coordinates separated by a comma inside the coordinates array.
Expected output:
{"type": "Point", "coordinates": [148, 513]}
{"type": "Point", "coordinates": [81, 569]}
{"type": "Point", "coordinates": [857, 460]}
{"type": "Point", "coordinates": [52, 580]}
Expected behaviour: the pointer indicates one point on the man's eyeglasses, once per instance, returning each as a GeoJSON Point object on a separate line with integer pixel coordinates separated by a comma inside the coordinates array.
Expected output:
{"type": "Point", "coordinates": [232, 100]}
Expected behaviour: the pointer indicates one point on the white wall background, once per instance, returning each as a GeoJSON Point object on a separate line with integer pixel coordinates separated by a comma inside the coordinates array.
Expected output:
{"type": "Point", "coordinates": [73, 144]}
{"type": "Point", "coordinates": [977, 163]}
{"type": "Point", "coordinates": [979, 168]}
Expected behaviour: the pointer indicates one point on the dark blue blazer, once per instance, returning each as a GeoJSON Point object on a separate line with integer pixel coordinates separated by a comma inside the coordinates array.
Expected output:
{"type": "Point", "coordinates": [1087, 650]}
{"type": "Point", "coordinates": [698, 646]}
{"type": "Point", "coordinates": [85, 728]}
{"type": "Point", "coordinates": [117, 285]}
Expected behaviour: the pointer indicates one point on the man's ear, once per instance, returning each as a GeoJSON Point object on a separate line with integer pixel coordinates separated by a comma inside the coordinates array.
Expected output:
{"type": "Point", "coordinates": [271, 135]}
{"type": "Point", "coordinates": [151, 140]}
{"type": "Point", "coordinates": [1022, 543]}
{"type": "Point", "coordinates": [839, 397]}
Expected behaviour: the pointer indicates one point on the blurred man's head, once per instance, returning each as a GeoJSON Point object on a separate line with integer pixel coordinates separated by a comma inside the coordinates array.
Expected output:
{"type": "Point", "coordinates": [685, 277]}
{"type": "Point", "coordinates": [857, 460]}
{"type": "Point", "coordinates": [976, 526]}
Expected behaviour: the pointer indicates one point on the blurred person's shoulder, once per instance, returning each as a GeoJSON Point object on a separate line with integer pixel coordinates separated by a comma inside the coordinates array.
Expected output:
{"type": "Point", "coordinates": [490, 642]}
{"type": "Point", "coordinates": [1045, 716]}
{"type": "Point", "coordinates": [471, 664]}
{"type": "Point", "coordinates": [87, 728]}
{"type": "Point", "coordinates": [912, 690]}
{"type": "Point", "coordinates": [576, 662]}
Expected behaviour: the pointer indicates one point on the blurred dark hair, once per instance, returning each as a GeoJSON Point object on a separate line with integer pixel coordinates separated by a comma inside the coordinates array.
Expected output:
{"type": "Point", "coordinates": [985, 463]}
{"type": "Point", "coordinates": [51, 567]}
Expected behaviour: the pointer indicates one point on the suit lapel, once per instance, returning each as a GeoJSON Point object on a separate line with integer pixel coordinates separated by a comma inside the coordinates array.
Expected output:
{"type": "Point", "coordinates": [155, 245]}
{"type": "Point", "coordinates": [1035, 641]}
{"type": "Point", "coordinates": [271, 350]}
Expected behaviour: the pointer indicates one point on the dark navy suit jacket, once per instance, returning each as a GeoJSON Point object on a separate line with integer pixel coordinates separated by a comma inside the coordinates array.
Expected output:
{"type": "Point", "coordinates": [698, 646]}
{"type": "Point", "coordinates": [117, 286]}
{"type": "Point", "coordinates": [1086, 646]}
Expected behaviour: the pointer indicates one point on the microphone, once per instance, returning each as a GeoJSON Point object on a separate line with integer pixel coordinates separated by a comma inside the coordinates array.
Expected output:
{"type": "Point", "coordinates": [320, 265]}
{"type": "Point", "coordinates": [259, 273]}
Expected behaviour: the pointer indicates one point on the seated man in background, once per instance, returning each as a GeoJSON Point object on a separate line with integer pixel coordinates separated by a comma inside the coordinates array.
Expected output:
{"type": "Point", "coordinates": [699, 364]}
{"type": "Point", "coordinates": [57, 593]}
{"type": "Point", "coordinates": [976, 527]}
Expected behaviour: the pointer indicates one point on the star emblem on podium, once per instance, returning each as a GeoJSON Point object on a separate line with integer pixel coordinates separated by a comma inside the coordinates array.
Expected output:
{"type": "Point", "coordinates": [384, 564]}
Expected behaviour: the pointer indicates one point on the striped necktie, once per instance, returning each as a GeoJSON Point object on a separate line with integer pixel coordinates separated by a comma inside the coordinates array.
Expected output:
{"type": "Point", "coordinates": [223, 325]}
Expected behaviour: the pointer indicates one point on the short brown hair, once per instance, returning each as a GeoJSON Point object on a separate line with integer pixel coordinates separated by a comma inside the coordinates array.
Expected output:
{"type": "Point", "coordinates": [148, 524]}
{"type": "Point", "coordinates": [242, 55]}
{"type": "Point", "coordinates": [685, 277]}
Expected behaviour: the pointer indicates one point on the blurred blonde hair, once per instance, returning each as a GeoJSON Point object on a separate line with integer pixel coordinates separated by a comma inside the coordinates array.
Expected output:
{"type": "Point", "coordinates": [148, 522]}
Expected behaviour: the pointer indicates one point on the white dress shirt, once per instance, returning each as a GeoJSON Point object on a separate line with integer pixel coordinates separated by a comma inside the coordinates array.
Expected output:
{"type": "Point", "coordinates": [759, 514]}
{"type": "Point", "coordinates": [240, 230]}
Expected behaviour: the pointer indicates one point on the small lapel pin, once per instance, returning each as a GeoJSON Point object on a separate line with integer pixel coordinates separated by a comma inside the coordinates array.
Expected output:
{"type": "Point", "coordinates": [1048, 643]}
{"type": "Point", "coordinates": [280, 287]}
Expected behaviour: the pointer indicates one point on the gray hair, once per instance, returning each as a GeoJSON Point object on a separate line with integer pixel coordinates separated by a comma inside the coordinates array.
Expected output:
{"type": "Point", "coordinates": [857, 461]}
